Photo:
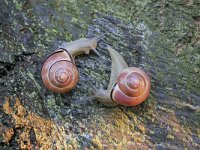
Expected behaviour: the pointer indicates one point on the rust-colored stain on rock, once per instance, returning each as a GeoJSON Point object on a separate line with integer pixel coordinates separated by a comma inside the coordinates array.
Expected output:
{"type": "Point", "coordinates": [47, 134]}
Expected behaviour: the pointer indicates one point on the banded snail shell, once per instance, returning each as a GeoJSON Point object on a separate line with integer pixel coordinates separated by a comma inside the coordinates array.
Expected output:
{"type": "Point", "coordinates": [59, 73]}
{"type": "Point", "coordinates": [132, 87]}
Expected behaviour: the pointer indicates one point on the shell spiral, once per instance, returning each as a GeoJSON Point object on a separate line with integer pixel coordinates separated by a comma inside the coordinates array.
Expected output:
{"type": "Point", "coordinates": [59, 73]}
{"type": "Point", "coordinates": [132, 87]}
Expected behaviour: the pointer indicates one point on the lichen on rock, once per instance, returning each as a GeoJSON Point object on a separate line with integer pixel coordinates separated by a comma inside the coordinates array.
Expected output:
{"type": "Point", "coordinates": [161, 37]}
{"type": "Point", "coordinates": [34, 131]}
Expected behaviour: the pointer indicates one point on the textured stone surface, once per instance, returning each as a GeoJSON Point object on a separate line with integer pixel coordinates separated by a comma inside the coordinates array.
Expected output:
{"type": "Point", "coordinates": [161, 37]}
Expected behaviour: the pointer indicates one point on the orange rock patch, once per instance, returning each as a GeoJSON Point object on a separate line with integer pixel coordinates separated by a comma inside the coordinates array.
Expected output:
{"type": "Point", "coordinates": [48, 135]}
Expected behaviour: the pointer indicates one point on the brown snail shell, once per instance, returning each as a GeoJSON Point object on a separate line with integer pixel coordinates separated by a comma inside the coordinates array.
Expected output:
{"type": "Point", "coordinates": [132, 88]}
{"type": "Point", "coordinates": [59, 73]}
{"type": "Point", "coordinates": [128, 86]}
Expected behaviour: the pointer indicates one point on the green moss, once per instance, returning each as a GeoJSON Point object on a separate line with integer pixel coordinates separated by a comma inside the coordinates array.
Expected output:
{"type": "Point", "coordinates": [170, 137]}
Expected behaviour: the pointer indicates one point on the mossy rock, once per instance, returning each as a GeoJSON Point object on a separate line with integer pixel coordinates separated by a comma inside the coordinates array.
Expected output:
{"type": "Point", "coordinates": [161, 37]}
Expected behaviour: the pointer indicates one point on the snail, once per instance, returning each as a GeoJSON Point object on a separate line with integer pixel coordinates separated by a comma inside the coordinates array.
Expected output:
{"type": "Point", "coordinates": [59, 73]}
{"type": "Point", "coordinates": [128, 86]}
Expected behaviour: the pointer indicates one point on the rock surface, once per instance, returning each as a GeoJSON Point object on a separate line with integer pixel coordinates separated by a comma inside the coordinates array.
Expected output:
{"type": "Point", "coordinates": [161, 37]}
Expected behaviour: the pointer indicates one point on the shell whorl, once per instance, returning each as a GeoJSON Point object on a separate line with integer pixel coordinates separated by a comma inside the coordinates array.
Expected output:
{"type": "Point", "coordinates": [132, 87]}
{"type": "Point", "coordinates": [59, 74]}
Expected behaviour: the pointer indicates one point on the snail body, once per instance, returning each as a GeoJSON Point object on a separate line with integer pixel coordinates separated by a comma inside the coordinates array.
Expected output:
{"type": "Point", "coordinates": [80, 46]}
{"type": "Point", "coordinates": [59, 73]}
{"type": "Point", "coordinates": [128, 86]}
